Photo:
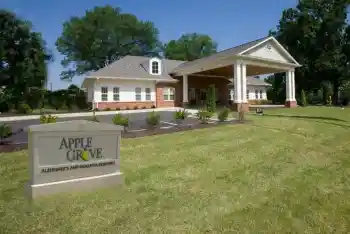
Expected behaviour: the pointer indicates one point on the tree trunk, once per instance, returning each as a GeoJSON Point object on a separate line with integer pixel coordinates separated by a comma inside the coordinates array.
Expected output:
{"type": "Point", "coordinates": [335, 93]}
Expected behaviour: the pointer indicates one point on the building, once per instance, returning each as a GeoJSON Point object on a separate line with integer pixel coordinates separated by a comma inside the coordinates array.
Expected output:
{"type": "Point", "coordinates": [144, 82]}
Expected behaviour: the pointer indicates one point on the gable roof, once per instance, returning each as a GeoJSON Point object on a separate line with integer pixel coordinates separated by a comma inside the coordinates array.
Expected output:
{"type": "Point", "coordinates": [231, 51]}
{"type": "Point", "coordinates": [136, 67]}
{"type": "Point", "coordinates": [224, 58]}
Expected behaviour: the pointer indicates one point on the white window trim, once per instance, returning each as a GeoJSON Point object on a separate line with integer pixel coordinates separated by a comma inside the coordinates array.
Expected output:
{"type": "Point", "coordinates": [159, 66]}
{"type": "Point", "coordinates": [232, 94]}
{"type": "Point", "coordinates": [102, 93]}
{"type": "Point", "coordinates": [167, 92]}
{"type": "Point", "coordinates": [136, 94]}
{"type": "Point", "coordinates": [256, 93]}
{"type": "Point", "coordinates": [150, 94]}
{"type": "Point", "coordinates": [116, 93]}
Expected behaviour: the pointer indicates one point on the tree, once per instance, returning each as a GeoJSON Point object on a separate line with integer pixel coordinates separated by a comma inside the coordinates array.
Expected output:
{"type": "Point", "coordinates": [102, 36]}
{"type": "Point", "coordinates": [23, 59]}
{"type": "Point", "coordinates": [315, 34]}
{"type": "Point", "coordinates": [190, 47]}
{"type": "Point", "coordinates": [211, 99]}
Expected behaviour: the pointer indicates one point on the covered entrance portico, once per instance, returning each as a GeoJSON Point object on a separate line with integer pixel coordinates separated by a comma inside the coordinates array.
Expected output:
{"type": "Point", "coordinates": [263, 56]}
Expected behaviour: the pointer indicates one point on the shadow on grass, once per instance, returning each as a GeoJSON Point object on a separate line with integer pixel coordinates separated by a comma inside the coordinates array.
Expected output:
{"type": "Point", "coordinates": [306, 117]}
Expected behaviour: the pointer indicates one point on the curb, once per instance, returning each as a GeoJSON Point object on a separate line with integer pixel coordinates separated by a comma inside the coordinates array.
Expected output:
{"type": "Point", "coordinates": [98, 113]}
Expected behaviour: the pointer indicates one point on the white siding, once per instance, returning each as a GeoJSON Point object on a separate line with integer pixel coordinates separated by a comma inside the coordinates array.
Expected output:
{"type": "Point", "coordinates": [251, 89]}
{"type": "Point", "coordinates": [251, 92]}
{"type": "Point", "coordinates": [126, 89]}
{"type": "Point", "coordinates": [273, 53]}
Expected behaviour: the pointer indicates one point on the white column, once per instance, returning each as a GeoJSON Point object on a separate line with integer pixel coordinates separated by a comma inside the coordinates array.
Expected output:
{"type": "Point", "coordinates": [293, 85]}
{"type": "Point", "coordinates": [237, 82]}
{"type": "Point", "coordinates": [289, 94]}
{"type": "Point", "coordinates": [244, 82]}
{"type": "Point", "coordinates": [185, 89]}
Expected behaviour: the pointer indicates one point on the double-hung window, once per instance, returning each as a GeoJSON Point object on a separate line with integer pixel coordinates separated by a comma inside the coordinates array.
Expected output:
{"type": "Point", "coordinates": [169, 94]}
{"type": "Point", "coordinates": [104, 93]}
{"type": "Point", "coordinates": [138, 94]}
{"type": "Point", "coordinates": [116, 94]}
{"type": "Point", "coordinates": [148, 94]}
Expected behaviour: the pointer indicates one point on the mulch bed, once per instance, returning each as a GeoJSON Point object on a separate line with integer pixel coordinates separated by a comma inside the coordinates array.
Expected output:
{"type": "Point", "coordinates": [180, 128]}
{"type": "Point", "coordinates": [6, 147]}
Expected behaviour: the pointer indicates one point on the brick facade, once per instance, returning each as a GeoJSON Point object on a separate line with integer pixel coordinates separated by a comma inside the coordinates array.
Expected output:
{"type": "Point", "coordinates": [160, 97]}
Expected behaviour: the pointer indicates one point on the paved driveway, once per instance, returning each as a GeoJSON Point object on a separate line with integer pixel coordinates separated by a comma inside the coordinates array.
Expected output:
{"type": "Point", "coordinates": [136, 121]}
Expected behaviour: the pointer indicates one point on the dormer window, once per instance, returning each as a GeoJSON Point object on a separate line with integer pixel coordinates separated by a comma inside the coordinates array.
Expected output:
{"type": "Point", "coordinates": [155, 67]}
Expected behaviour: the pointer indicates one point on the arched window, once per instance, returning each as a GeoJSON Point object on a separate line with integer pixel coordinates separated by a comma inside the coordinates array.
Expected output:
{"type": "Point", "coordinates": [155, 67]}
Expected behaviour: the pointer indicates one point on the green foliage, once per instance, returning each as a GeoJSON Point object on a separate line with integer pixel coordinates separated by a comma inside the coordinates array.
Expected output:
{"type": "Point", "coordinates": [119, 119]}
{"type": "Point", "coordinates": [107, 109]}
{"type": "Point", "coordinates": [44, 119]}
{"type": "Point", "coordinates": [24, 108]}
{"type": "Point", "coordinates": [211, 99]}
{"type": "Point", "coordinates": [303, 98]}
{"type": "Point", "coordinates": [190, 47]}
{"type": "Point", "coordinates": [23, 59]}
{"type": "Point", "coordinates": [329, 101]}
{"type": "Point", "coordinates": [5, 131]}
{"type": "Point", "coordinates": [136, 107]}
{"type": "Point", "coordinates": [204, 115]}
{"type": "Point", "coordinates": [223, 114]}
{"type": "Point", "coordinates": [317, 34]}
{"type": "Point", "coordinates": [153, 119]}
{"type": "Point", "coordinates": [180, 114]}
{"type": "Point", "coordinates": [106, 35]}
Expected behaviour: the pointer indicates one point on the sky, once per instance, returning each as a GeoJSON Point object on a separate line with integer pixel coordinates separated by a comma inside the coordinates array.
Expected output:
{"type": "Point", "coordinates": [228, 22]}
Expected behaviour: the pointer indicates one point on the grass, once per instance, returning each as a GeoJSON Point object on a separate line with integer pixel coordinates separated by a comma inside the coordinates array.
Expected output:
{"type": "Point", "coordinates": [286, 173]}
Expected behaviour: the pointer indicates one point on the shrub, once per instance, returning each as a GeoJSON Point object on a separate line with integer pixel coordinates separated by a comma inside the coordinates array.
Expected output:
{"type": "Point", "coordinates": [24, 108]}
{"type": "Point", "coordinates": [180, 114]}
{"type": "Point", "coordinates": [303, 98]}
{"type": "Point", "coordinates": [44, 119]}
{"type": "Point", "coordinates": [153, 106]}
{"type": "Point", "coordinates": [5, 131]}
{"type": "Point", "coordinates": [223, 114]}
{"type": "Point", "coordinates": [107, 109]}
{"type": "Point", "coordinates": [204, 116]}
{"type": "Point", "coordinates": [144, 107]}
{"type": "Point", "coordinates": [345, 101]}
{"type": "Point", "coordinates": [136, 107]}
{"type": "Point", "coordinates": [127, 108]}
{"type": "Point", "coordinates": [329, 101]}
{"type": "Point", "coordinates": [153, 119]}
{"type": "Point", "coordinates": [96, 109]}
{"type": "Point", "coordinates": [118, 119]}
{"type": "Point", "coordinates": [117, 109]}
{"type": "Point", "coordinates": [211, 99]}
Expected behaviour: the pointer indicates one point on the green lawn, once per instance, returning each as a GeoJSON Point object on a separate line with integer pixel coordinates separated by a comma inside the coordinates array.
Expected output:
{"type": "Point", "coordinates": [288, 172]}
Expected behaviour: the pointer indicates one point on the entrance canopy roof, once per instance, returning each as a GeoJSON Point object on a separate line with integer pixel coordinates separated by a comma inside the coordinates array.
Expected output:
{"type": "Point", "coordinates": [262, 56]}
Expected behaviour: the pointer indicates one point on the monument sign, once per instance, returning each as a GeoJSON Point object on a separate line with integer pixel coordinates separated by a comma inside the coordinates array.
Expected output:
{"type": "Point", "coordinates": [73, 156]}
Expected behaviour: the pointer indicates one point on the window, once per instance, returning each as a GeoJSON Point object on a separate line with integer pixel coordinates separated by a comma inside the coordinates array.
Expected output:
{"type": "Point", "coordinates": [256, 94]}
{"type": "Point", "coordinates": [247, 95]}
{"type": "Point", "coordinates": [261, 93]}
{"type": "Point", "coordinates": [116, 96]}
{"type": "Point", "coordinates": [148, 94]}
{"type": "Point", "coordinates": [138, 94]}
{"type": "Point", "coordinates": [169, 94]}
{"type": "Point", "coordinates": [104, 93]}
{"type": "Point", "coordinates": [231, 95]}
{"type": "Point", "coordinates": [155, 67]}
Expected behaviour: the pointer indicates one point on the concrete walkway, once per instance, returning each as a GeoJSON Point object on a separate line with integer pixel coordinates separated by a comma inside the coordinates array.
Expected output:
{"type": "Point", "coordinates": [83, 114]}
